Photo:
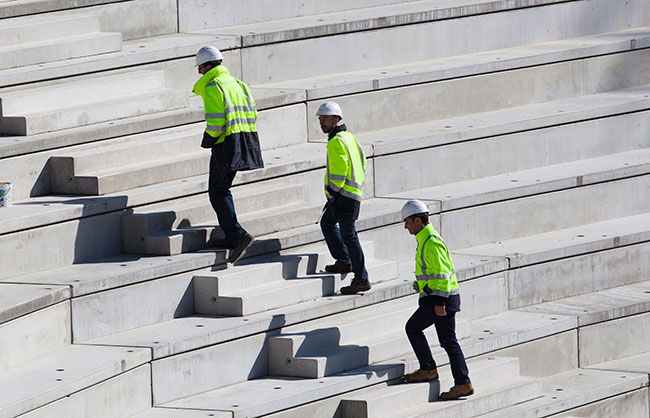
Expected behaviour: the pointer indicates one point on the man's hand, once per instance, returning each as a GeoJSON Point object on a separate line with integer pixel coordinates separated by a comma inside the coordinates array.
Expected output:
{"type": "Point", "coordinates": [440, 310]}
{"type": "Point", "coordinates": [415, 286]}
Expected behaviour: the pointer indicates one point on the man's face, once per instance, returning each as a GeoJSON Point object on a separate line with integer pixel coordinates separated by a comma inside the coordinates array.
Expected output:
{"type": "Point", "coordinates": [327, 122]}
{"type": "Point", "coordinates": [204, 68]}
{"type": "Point", "coordinates": [414, 225]}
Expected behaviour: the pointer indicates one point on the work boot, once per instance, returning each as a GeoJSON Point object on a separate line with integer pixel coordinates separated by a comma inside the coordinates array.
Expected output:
{"type": "Point", "coordinates": [421, 376]}
{"type": "Point", "coordinates": [356, 286]}
{"type": "Point", "coordinates": [457, 391]}
{"type": "Point", "coordinates": [339, 267]}
{"type": "Point", "coordinates": [243, 243]}
{"type": "Point", "coordinates": [220, 243]}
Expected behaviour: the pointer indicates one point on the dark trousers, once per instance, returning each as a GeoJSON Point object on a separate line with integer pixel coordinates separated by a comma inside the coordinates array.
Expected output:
{"type": "Point", "coordinates": [339, 230]}
{"type": "Point", "coordinates": [422, 319]}
{"type": "Point", "coordinates": [221, 199]}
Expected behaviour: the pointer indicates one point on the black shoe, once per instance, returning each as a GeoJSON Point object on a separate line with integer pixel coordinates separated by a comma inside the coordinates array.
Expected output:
{"type": "Point", "coordinates": [220, 243]}
{"type": "Point", "coordinates": [356, 286]}
{"type": "Point", "coordinates": [236, 253]}
{"type": "Point", "coordinates": [339, 267]}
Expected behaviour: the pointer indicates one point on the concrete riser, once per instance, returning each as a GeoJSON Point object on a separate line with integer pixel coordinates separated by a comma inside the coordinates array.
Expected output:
{"type": "Point", "coordinates": [578, 275]}
{"type": "Point", "coordinates": [61, 49]}
{"type": "Point", "coordinates": [531, 25]}
{"type": "Point", "coordinates": [514, 152]}
{"type": "Point", "coordinates": [40, 28]}
{"type": "Point", "coordinates": [484, 93]}
{"type": "Point", "coordinates": [120, 396]}
{"type": "Point", "coordinates": [632, 404]}
{"type": "Point", "coordinates": [35, 334]}
{"type": "Point", "coordinates": [546, 212]}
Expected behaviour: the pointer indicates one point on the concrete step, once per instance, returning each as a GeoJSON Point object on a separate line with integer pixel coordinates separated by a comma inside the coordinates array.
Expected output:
{"type": "Point", "coordinates": [534, 181]}
{"type": "Point", "coordinates": [60, 48]}
{"type": "Point", "coordinates": [371, 27]}
{"type": "Point", "coordinates": [538, 214]}
{"type": "Point", "coordinates": [179, 413]}
{"type": "Point", "coordinates": [61, 373]}
{"type": "Point", "coordinates": [468, 64]}
{"type": "Point", "coordinates": [181, 227]}
{"type": "Point", "coordinates": [577, 389]}
{"type": "Point", "coordinates": [345, 341]}
{"type": "Point", "coordinates": [12, 9]}
{"type": "Point", "coordinates": [95, 112]}
{"type": "Point", "coordinates": [120, 396]}
{"type": "Point", "coordinates": [17, 300]}
{"type": "Point", "coordinates": [35, 334]}
{"type": "Point", "coordinates": [391, 397]}
{"type": "Point", "coordinates": [272, 394]}
{"type": "Point", "coordinates": [247, 301]}
{"type": "Point", "coordinates": [35, 28]}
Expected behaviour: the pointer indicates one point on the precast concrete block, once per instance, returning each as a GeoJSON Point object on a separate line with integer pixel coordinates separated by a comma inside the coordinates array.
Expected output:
{"type": "Point", "coordinates": [512, 28]}
{"type": "Point", "coordinates": [632, 404]}
{"type": "Point", "coordinates": [602, 305]}
{"type": "Point", "coordinates": [65, 48]}
{"type": "Point", "coordinates": [35, 334]}
{"type": "Point", "coordinates": [11, 9]}
{"type": "Point", "coordinates": [17, 300]}
{"type": "Point", "coordinates": [201, 370]}
{"type": "Point", "coordinates": [556, 280]}
{"type": "Point", "coordinates": [613, 340]}
{"type": "Point", "coordinates": [30, 29]}
{"type": "Point", "coordinates": [180, 413]}
{"type": "Point", "coordinates": [483, 296]}
{"type": "Point", "coordinates": [76, 242]}
{"type": "Point", "coordinates": [535, 356]}
{"type": "Point", "coordinates": [508, 153]}
{"type": "Point", "coordinates": [129, 307]}
{"type": "Point", "coordinates": [62, 373]}
{"type": "Point", "coordinates": [547, 212]}
{"type": "Point", "coordinates": [121, 396]}
{"type": "Point", "coordinates": [282, 126]}
{"type": "Point", "coordinates": [196, 15]}
{"type": "Point", "coordinates": [489, 92]}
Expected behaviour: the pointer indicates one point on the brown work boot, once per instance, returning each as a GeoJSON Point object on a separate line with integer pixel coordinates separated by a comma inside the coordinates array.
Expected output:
{"type": "Point", "coordinates": [339, 267]}
{"type": "Point", "coordinates": [421, 376]}
{"type": "Point", "coordinates": [238, 250]}
{"type": "Point", "coordinates": [457, 391]}
{"type": "Point", "coordinates": [356, 286]}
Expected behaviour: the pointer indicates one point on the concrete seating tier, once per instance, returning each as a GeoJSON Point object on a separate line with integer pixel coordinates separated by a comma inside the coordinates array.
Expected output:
{"type": "Point", "coordinates": [23, 8]}
{"type": "Point", "coordinates": [37, 39]}
{"type": "Point", "coordinates": [68, 105]}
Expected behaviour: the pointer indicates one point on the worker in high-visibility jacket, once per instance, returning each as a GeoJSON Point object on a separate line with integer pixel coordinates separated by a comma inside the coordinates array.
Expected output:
{"type": "Point", "coordinates": [438, 303]}
{"type": "Point", "coordinates": [231, 134]}
{"type": "Point", "coordinates": [344, 175]}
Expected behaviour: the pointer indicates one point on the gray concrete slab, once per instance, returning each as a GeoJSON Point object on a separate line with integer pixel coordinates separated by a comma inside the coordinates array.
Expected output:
{"type": "Point", "coordinates": [546, 179]}
{"type": "Point", "coordinates": [613, 339]}
{"type": "Point", "coordinates": [181, 413]}
{"type": "Point", "coordinates": [62, 373]}
{"type": "Point", "coordinates": [601, 306]}
{"type": "Point", "coordinates": [17, 300]}
{"type": "Point", "coordinates": [402, 74]}
{"type": "Point", "coordinates": [120, 270]}
{"type": "Point", "coordinates": [35, 334]}
{"type": "Point", "coordinates": [121, 396]}
{"type": "Point", "coordinates": [574, 389]}
{"type": "Point", "coordinates": [12, 9]}
{"type": "Point", "coordinates": [632, 404]}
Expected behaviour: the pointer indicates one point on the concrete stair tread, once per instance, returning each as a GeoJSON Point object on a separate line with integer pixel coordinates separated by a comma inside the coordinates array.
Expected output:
{"type": "Point", "coordinates": [639, 363]}
{"type": "Point", "coordinates": [129, 169]}
{"type": "Point", "coordinates": [534, 181]}
{"type": "Point", "coordinates": [183, 334]}
{"type": "Point", "coordinates": [568, 242]}
{"type": "Point", "coordinates": [63, 372]}
{"type": "Point", "coordinates": [67, 39]}
{"type": "Point", "coordinates": [600, 306]}
{"type": "Point", "coordinates": [572, 389]}
{"type": "Point", "coordinates": [467, 64]}
{"type": "Point", "coordinates": [297, 391]}
{"type": "Point", "coordinates": [504, 121]}
{"type": "Point", "coordinates": [180, 413]}
{"type": "Point", "coordinates": [120, 270]}
{"type": "Point", "coordinates": [17, 300]}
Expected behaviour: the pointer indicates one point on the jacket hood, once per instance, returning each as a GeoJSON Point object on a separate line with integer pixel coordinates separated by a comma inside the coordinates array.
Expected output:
{"type": "Point", "coordinates": [199, 87]}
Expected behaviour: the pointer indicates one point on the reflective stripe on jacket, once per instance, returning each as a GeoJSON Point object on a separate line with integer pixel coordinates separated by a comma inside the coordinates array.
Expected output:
{"type": "Point", "coordinates": [229, 106]}
{"type": "Point", "coordinates": [434, 269]}
{"type": "Point", "coordinates": [346, 166]}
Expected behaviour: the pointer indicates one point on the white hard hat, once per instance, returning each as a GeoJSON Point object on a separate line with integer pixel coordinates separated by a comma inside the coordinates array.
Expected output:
{"type": "Point", "coordinates": [208, 53]}
{"type": "Point", "coordinates": [330, 108]}
{"type": "Point", "coordinates": [414, 207]}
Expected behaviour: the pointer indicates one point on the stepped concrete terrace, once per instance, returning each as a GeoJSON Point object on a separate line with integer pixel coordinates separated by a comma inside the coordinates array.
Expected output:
{"type": "Point", "coordinates": [540, 180]}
